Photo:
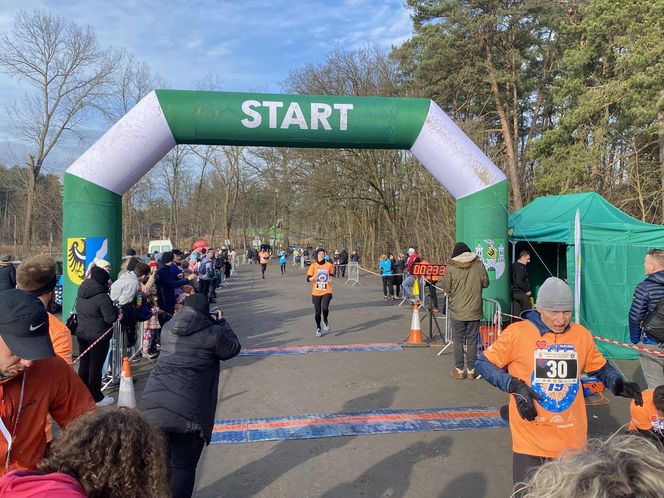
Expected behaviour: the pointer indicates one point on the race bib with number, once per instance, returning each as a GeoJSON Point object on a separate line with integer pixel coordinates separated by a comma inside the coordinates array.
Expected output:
{"type": "Point", "coordinates": [555, 376]}
{"type": "Point", "coordinates": [555, 367]}
{"type": "Point", "coordinates": [322, 279]}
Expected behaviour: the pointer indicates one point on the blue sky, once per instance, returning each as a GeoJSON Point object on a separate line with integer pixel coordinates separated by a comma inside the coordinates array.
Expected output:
{"type": "Point", "coordinates": [248, 45]}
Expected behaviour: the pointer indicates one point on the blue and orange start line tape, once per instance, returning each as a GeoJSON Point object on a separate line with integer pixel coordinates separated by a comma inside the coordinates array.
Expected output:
{"type": "Point", "coordinates": [329, 348]}
{"type": "Point", "coordinates": [355, 424]}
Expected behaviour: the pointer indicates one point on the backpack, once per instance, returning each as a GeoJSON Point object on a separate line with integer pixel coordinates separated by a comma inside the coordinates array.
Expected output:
{"type": "Point", "coordinates": [653, 323]}
{"type": "Point", "coordinates": [208, 270]}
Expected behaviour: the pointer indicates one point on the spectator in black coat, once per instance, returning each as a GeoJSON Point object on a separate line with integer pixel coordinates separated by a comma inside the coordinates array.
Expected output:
{"type": "Point", "coordinates": [96, 314]}
{"type": "Point", "coordinates": [180, 396]}
{"type": "Point", "coordinates": [166, 285]}
{"type": "Point", "coordinates": [7, 273]}
{"type": "Point", "coordinates": [343, 261]}
{"type": "Point", "coordinates": [520, 285]}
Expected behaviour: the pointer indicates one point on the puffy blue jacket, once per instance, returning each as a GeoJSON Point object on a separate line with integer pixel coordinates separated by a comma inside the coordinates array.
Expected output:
{"type": "Point", "coordinates": [385, 267]}
{"type": "Point", "coordinates": [166, 285]}
{"type": "Point", "coordinates": [646, 296]}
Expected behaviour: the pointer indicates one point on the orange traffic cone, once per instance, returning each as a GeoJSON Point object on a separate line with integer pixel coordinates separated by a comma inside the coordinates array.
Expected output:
{"type": "Point", "coordinates": [126, 395]}
{"type": "Point", "coordinates": [415, 336]}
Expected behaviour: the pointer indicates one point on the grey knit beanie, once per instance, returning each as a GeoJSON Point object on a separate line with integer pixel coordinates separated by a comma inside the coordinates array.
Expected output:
{"type": "Point", "coordinates": [555, 295]}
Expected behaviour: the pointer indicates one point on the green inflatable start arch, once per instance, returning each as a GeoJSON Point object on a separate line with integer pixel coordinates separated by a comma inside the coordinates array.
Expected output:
{"type": "Point", "coordinates": [95, 182]}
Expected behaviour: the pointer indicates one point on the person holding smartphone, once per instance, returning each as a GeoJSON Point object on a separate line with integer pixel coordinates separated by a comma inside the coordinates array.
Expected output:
{"type": "Point", "coordinates": [180, 396]}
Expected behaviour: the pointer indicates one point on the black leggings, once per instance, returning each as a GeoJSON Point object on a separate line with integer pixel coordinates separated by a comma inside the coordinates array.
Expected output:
{"type": "Point", "coordinates": [263, 268]}
{"type": "Point", "coordinates": [184, 453]}
{"type": "Point", "coordinates": [90, 365]}
{"type": "Point", "coordinates": [321, 303]}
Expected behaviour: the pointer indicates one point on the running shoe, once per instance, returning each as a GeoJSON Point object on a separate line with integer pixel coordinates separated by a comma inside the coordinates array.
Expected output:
{"type": "Point", "coordinates": [326, 327]}
{"type": "Point", "coordinates": [318, 333]}
{"type": "Point", "coordinates": [108, 400]}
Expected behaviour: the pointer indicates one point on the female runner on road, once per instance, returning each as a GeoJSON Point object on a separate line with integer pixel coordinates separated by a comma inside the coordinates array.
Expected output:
{"type": "Point", "coordinates": [320, 273]}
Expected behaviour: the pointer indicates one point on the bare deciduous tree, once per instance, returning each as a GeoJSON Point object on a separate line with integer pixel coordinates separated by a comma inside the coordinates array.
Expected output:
{"type": "Point", "coordinates": [69, 74]}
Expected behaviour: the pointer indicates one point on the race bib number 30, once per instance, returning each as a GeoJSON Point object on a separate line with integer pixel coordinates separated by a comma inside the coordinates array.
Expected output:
{"type": "Point", "coordinates": [555, 367]}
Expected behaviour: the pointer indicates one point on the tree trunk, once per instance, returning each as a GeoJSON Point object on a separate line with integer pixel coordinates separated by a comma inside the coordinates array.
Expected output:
{"type": "Point", "coordinates": [510, 144]}
{"type": "Point", "coordinates": [660, 119]}
{"type": "Point", "coordinates": [33, 173]}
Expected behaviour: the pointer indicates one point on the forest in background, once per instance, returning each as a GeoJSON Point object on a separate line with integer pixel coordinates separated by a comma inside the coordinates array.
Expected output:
{"type": "Point", "coordinates": [564, 96]}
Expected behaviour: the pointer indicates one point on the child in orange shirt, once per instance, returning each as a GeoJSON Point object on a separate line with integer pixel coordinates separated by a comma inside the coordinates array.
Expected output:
{"type": "Point", "coordinates": [649, 418]}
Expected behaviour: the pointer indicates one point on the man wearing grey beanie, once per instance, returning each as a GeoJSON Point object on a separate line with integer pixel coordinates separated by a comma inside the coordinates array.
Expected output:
{"type": "Point", "coordinates": [545, 355]}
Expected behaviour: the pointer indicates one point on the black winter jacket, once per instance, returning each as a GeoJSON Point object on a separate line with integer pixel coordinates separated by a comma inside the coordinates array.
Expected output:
{"type": "Point", "coordinates": [181, 392]}
{"type": "Point", "coordinates": [520, 284]}
{"type": "Point", "coordinates": [96, 312]}
{"type": "Point", "coordinates": [7, 277]}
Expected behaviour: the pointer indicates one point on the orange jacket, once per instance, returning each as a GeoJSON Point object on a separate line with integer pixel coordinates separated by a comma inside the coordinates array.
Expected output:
{"type": "Point", "coordinates": [49, 386]}
{"type": "Point", "coordinates": [60, 337]}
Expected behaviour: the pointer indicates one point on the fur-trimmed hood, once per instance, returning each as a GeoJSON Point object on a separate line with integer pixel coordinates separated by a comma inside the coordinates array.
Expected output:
{"type": "Point", "coordinates": [464, 260]}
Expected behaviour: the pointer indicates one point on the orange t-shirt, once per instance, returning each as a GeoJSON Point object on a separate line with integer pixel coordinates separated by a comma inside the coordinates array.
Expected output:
{"type": "Point", "coordinates": [60, 338]}
{"type": "Point", "coordinates": [645, 417]}
{"type": "Point", "coordinates": [264, 257]}
{"type": "Point", "coordinates": [51, 386]}
{"type": "Point", "coordinates": [551, 364]}
{"type": "Point", "coordinates": [322, 284]}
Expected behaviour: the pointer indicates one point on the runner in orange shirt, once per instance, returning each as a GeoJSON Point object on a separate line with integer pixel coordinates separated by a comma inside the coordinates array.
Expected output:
{"type": "Point", "coordinates": [649, 418]}
{"type": "Point", "coordinates": [320, 273]}
{"type": "Point", "coordinates": [545, 355]}
{"type": "Point", "coordinates": [264, 259]}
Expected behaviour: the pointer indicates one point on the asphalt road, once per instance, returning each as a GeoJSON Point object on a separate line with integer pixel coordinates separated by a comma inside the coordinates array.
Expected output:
{"type": "Point", "coordinates": [277, 311]}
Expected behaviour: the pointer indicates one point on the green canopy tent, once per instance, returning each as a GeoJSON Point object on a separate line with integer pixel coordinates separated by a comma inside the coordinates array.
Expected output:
{"type": "Point", "coordinates": [613, 245]}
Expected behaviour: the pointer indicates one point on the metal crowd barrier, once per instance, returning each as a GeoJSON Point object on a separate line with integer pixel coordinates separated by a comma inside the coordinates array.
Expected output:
{"type": "Point", "coordinates": [490, 326]}
{"type": "Point", "coordinates": [112, 369]}
{"type": "Point", "coordinates": [353, 270]}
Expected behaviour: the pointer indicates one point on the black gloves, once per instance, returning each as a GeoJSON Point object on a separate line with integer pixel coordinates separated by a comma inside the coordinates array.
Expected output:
{"type": "Point", "coordinates": [524, 396]}
{"type": "Point", "coordinates": [628, 390]}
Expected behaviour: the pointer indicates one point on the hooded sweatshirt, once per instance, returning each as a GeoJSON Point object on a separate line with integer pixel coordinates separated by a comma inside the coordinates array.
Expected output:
{"type": "Point", "coordinates": [124, 289]}
{"type": "Point", "coordinates": [464, 280]}
{"type": "Point", "coordinates": [181, 393]}
{"type": "Point", "coordinates": [29, 484]}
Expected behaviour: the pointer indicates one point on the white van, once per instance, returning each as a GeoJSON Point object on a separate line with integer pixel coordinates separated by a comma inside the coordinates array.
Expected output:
{"type": "Point", "coordinates": [160, 246]}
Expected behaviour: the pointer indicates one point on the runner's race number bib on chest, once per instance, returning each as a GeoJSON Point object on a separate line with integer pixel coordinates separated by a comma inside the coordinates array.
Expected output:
{"type": "Point", "coordinates": [322, 279]}
{"type": "Point", "coordinates": [555, 367]}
